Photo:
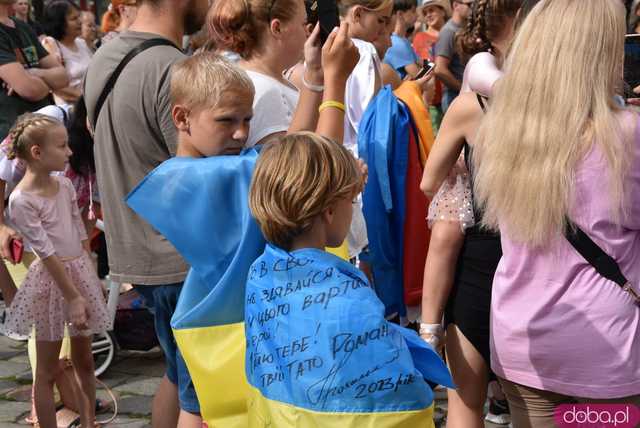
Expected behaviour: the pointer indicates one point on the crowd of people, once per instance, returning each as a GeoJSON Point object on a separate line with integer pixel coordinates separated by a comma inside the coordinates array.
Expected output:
{"type": "Point", "coordinates": [327, 223]}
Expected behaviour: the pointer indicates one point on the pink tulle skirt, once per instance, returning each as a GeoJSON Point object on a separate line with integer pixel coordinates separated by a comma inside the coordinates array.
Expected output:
{"type": "Point", "coordinates": [39, 303]}
{"type": "Point", "coordinates": [454, 202]}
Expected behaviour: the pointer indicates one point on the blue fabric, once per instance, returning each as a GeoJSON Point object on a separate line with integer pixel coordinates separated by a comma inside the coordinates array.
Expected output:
{"type": "Point", "coordinates": [201, 207]}
{"type": "Point", "coordinates": [317, 339]}
{"type": "Point", "coordinates": [161, 300]}
{"type": "Point", "coordinates": [400, 54]}
{"type": "Point", "coordinates": [383, 145]}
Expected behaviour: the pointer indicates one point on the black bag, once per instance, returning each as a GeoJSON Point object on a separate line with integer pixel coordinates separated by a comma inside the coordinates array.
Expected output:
{"type": "Point", "coordinates": [602, 262]}
{"type": "Point", "coordinates": [133, 326]}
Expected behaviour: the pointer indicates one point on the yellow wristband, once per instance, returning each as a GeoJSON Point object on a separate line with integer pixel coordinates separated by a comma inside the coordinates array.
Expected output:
{"type": "Point", "coordinates": [335, 104]}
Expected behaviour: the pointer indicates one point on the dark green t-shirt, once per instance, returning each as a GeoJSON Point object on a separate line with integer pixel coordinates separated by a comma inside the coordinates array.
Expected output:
{"type": "Point", "coordinates": [20, 45]}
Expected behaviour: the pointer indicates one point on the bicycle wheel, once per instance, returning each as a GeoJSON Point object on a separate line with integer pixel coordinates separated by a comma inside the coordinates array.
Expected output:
{"type": "Point", "coordinates": [103, 348]}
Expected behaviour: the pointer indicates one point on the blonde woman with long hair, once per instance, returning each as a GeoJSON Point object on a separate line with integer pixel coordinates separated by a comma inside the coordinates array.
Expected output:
{"type": "Point", "coordinates": [555, 145]}
{"type": "Point", "coordinates": [462, 257]}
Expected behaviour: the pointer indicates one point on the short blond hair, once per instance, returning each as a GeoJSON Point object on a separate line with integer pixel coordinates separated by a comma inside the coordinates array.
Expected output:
{"type": "Point", "coordinates": [296, 178]}
{"type": "Point", "coordinates": [200, 81]}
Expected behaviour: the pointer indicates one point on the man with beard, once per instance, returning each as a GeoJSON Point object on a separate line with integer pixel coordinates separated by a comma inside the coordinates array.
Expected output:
{"type": "Point", "coordinates": [134, 133]}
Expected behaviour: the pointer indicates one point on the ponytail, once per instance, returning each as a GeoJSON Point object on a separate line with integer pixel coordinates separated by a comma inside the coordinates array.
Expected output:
{"type": "Point", "coordinates": [29, 130]}
{"type": "Point", "coordinates": [488, 19]}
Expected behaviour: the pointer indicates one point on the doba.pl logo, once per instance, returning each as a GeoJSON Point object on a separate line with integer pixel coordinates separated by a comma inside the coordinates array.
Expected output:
{"type": "Point", "coordinates": [597, 416]}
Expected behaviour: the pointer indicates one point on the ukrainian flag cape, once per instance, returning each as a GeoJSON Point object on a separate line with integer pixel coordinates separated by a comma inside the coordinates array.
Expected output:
{"type": "Point", "coordinates": [321, 354]}
{"type": "Point", "coordinates": [201, 207]}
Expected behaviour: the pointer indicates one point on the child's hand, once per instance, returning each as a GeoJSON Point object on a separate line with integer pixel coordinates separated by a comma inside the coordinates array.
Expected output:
{"type": "Point", "coordinates": [87, 246]}
{"type": "Point", "coordinates": [339, 54]}
{"type": "Point", "coordinates": [6, 235]}
{"type": "Point", "coordinates": [78, 313]}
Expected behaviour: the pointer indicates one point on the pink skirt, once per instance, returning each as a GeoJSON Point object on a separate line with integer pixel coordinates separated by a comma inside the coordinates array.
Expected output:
{"type": "Point", "coordinates": [39, 303]}
{"type": "Point", "coordinates": [454, 202]}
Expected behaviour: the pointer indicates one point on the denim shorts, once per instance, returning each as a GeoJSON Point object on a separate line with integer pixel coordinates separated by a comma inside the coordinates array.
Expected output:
{"type": "Point", "coordinates": [161, 301]}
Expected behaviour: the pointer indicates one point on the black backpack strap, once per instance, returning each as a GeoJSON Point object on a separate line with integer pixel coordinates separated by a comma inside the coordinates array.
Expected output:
{"type": "Point", "coordinates": [108, 87]}
{"type": "Point", "coordinates": [602, 262]}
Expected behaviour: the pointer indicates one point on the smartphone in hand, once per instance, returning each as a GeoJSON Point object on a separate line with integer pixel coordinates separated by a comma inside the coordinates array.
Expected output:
{"type": "Point", "coordinates": [328, 17]}
{"type": "Point", "coordinates": [426, 69]}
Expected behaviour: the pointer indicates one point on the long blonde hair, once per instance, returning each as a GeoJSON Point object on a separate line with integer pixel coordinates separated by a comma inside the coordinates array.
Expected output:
{"type": "Point", "coordinates": [554, 103]}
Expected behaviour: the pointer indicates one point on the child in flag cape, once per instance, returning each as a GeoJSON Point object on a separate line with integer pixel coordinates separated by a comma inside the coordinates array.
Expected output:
{"type": "Point", "coordinates": [199, 202]}
{"type": "Point", "coordinates": [319, 350]}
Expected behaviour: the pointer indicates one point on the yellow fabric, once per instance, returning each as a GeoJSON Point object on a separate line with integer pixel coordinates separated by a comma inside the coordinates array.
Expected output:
{"type": "Point", "coordinates": [265, 413]}
{"type": "Point", "coordinates": [411, 94]}
{"type": "Point", "coordinates": [342, 251]}
{"type": "Point", "coordinates": [215, 359]}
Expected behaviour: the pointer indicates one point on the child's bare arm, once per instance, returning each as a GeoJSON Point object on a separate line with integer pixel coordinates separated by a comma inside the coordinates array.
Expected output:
{"type": "Point", "coordinates": [86, 244]}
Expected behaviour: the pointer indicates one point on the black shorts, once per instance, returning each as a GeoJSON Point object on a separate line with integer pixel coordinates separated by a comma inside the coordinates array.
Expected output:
{"type": "Point", "coordinates": [469, 304]}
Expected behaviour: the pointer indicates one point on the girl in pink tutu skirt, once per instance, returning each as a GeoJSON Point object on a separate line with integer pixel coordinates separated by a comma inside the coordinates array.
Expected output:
{"type": "Point", "coordinates": [61, 288]}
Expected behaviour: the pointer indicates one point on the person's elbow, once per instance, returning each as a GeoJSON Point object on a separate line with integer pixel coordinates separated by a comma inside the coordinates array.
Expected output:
{"type": "Point", "coordinates": [428, 186]}
{"type": "Point", "coordinates": [61, 80]}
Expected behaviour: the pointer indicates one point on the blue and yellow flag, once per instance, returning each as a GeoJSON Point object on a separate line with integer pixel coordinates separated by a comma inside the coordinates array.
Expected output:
{"type": "Point", "coordinates": [201, 207]}
{"type": "Point", "coordinates": [343, 364]}
{"type": "Point", "coordinates": [321, 354]}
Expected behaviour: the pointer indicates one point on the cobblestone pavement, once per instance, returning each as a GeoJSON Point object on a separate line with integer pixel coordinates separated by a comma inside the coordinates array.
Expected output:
{"type": "Point", "coordinates": [133, 378]}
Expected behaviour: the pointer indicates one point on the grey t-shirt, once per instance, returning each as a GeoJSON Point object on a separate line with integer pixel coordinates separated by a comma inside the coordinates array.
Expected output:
{"type": "Point", "coordinates": [445, 47]}
{"type": "Point", "coordinates": [134, 134]}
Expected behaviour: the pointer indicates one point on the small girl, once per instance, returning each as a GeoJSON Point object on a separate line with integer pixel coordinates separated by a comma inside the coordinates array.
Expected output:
{"type": "Point", "coordinates": [319, 350]}
{"type": "Point", "coordinates": [61, 288]}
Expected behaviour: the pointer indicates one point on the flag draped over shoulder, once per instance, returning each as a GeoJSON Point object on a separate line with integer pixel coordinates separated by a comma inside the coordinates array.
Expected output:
{"type": "Point", "coordinates": [321, 354]}
{"type": "Point", "coordinates": [201, 207]}
{"type": "Point", "coordinates": [383, 142]}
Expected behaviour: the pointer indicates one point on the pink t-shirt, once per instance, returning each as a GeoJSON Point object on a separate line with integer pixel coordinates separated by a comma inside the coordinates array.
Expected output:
{"type": "Point", "coordinates": [50, 225]}
{"type": "Point", "coordinates": [556, 324]}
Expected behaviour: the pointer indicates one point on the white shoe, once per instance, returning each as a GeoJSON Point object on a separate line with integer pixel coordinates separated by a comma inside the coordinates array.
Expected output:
{"type": "Point", "coordinates": [498, 412]}
{"type": "Point", "coordinates": [13, 336]}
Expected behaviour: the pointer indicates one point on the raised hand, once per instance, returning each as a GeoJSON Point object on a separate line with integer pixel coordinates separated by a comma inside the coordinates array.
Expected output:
{"type": "Point", "coordinates": [339, 54]}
